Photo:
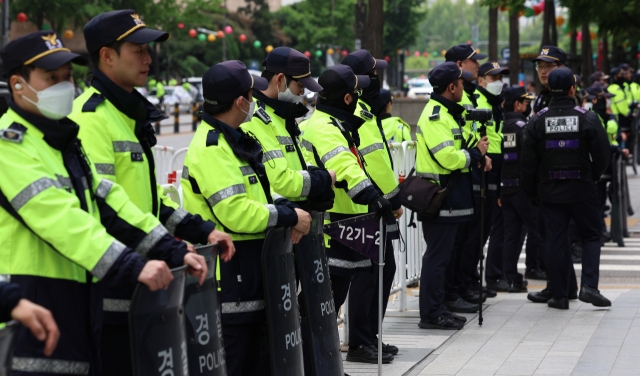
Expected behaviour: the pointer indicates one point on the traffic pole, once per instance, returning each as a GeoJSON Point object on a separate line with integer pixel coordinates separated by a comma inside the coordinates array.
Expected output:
{"type": "Point", "coordinates": [176, 118]}
{"type": "Point", "coordinates": [194, 117]}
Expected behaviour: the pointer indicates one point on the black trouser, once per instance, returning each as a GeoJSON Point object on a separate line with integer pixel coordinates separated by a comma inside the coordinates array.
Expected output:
{"type": "Point", "coordinates": [363, 300]}
{"type": "Point", "coordinates": [440, 238]}
{"type": "Point", "coordinates": [454, 280]}
{"type": "Point", "coordinates": [517, 214]}
{"type": "Point", "coordinates": [471, 251]}
{"type": "Point", "coordinates": [557, 217]}
{"type": "Point", "coordinates": [246, 349]}
{"type": "Point", "coordinates": [602, 201]}
{"type": "Point", "coordinates": [535, 246]}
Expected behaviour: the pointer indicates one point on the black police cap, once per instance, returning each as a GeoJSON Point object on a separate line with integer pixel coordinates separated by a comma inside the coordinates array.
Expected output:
{"type": "Point", "coordinates": [615, 71]}
{"type": "Point", "coordinates": [597, 91]}
{"type": "Point", "coordinates": [361, 62]}
{"type": "Point", "coordinates": [445, 73]}
{"type": "Point", "coordinates": [293, 63]}
{"type": "Point", "coordinates": [463, 52]}
{"type": "Point", "coordinates": [340, 79]}
{"type": "Point", "coordinates": [516, 92]}
{"type": "Point", "coordinates": [492, 68]}
{"type": "Point", "coordinates": [42, 49]}
{"type": "Point", "coordinates": [625, 66]}
{"type": "Point", "coordinates": [561, 80]}
{"type": "Point", "coordinates": [552, 54]}
{"type": "Point", "coordinates": [596, 76]}
{"type": "Point", "coordinates": [119, 25]}
{"type": "Point", "coordinates": [386, 96]}
{"type": "Point", "coordinates": [228, 80]}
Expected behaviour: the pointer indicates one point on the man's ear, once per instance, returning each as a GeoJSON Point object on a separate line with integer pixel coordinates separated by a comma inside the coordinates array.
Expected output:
{"type": "Point", "coordinates": [459, 63]}
{"type": "Point", "coordinates": [106, 55]}
{"type": "Point", "coordinates": [347, 98]}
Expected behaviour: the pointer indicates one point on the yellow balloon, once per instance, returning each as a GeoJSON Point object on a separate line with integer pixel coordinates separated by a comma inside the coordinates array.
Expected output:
{"type": "Point", "coordinates": [269, 48]}
{"type": "Point", "coordinates": [211, 38]}
{"type": "Point", "coordinates": [330, 51]}
{"type": "Point", "coordinates": [443, 52]}
{"type": "Point", "coordinates": [68, 34]}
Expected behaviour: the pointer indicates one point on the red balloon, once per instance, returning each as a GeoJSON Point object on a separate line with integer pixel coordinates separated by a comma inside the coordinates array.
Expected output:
{"type": "Point", "coordinates": [220, 34]}
{"type": "Point", "coordinates": [345, 52]}
{"type": "Point", "coordinates": [180, 25]}
{"type": "Point", "coordinates": [21, 17]}
{"type": "Point", "coordinates": [243, 38]}
{"type": "Point", "coordinates": [307, 54]}
{"type": "Point", "coordinates": [193, 33]}
{"type": "Point", "coordinates": [579, 36]}
{"type": "Point", "coordinates": [387, 58]}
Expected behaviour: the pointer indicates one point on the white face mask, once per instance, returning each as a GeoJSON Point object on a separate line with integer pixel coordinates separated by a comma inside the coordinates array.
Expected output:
{"type": "Point", "coordinates": [288, 96]}
{"type": "Point", "coordinates": [494, 87]}
{"type": "Point", "coordinates": [54, 102]}
{"type": "Point", "coordinates": [588, 106]}
{"type": "Point", "coordinates": [608, 103]}
{"type": "Point", "coordinates": [252, 109]}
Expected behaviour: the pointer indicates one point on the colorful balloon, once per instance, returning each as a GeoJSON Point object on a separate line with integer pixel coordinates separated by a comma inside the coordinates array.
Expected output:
{"type": "Point", "coordinates": [202, 37]}
{"type": "Point", "coordinates": [560, 21]}
{"type": "Point", "coordinates": [242, 38]}
{"type": "Point", "coordinates": [228, 29]}
{"type": "Point", "coordinates": [257, 44]}
{"type": "Point", "coordinates": [180, 25]}
{"type": "Point", "coordinates": [68, 34]}
{"type": "Point", "coordinates": [193, 33]}
{"type": "Point", "coordinates": [345, 52]}
{"type": "Point", "coordinates": [416, 54]}
{"type": "Point", "coordinates": [330, 51]}
{"type": "Point", "coordinates": [307, 54]}
{"type": "Point", "coordinates": [211, 38]}
{"type": "Point", "coordinates": [529, 12]}
{"type": "Point", "coordinates": [220, 34]}
{"type": "Point", "coordinates": [269, 48]}
{"type": "Point", "coordinates": [318, 53]}
{"type": "Point", "coordinates": [387, 58]}
{"type": "Point", "coordinates": [21, 17]}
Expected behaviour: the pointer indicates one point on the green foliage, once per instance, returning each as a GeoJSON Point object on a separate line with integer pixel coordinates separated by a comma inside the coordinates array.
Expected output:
{"type": "Point", "coordinates": [308, 24]}
{"type": "Point", "coordinates": [401, 21]}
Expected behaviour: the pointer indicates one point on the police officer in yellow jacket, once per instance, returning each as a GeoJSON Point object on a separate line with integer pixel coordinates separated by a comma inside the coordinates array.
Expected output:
{"type": "Point", "coordinates": [225, 181]}
{"type": "Point", "coordinates": [444, 157]}
{"type": "Point", "coordinates": [461, 284]}
{"type": "Point", "coordinates": [490, 85]}
{"type": "Point", "coordinates": [331, 140]}
{"type": "Point", "coordinates": [274, 126]}
{"type": "Point", "coordinates": [621, 101]}
{"type": "Point", "coordinates": [374, 148]}
{"type": "Point", "coordinates": [63, 225]}
{"type": "Point", "coordinates": [395, 129]}
{"type": "Point", "coordinates": [115, 127]}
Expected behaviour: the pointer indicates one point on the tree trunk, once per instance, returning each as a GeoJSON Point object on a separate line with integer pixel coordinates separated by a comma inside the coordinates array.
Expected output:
{"type": "Point", "coordinates": [514, 46]}
{"type": "Point", "coordinates": [375, 23]}
{"type": "Point", "coordinates": [493, 33]}
{"type": "Point", "coordinates": [573, 49]}
{"type": "Point", "coordinates": [546, 36]}
{"type": "Point", "coordinates": [617, 53]}
{"type": "Point", "coordinates": [361, 22]}
{"type": "Point", "coordinates": [633, 59]}
{"type": "Point", "coordinates": [606, 66]}
{"type": "Point", "coordinates": [550, 9]}
{"type": "Point", "coordinates": [587, 53]}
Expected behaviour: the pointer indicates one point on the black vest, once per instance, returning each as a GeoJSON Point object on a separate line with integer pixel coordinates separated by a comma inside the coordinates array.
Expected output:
{"type": "Point", "coordinates": [514, 125]}
{"type": "Point", "coordinates": [565, 145]}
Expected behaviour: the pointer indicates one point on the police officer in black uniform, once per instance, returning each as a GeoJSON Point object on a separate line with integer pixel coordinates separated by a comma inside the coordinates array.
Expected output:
{"type": "Point", "coordinates": [551, 57]}
{"type": "Point", "coordinates": [516, 210]}
{"type": "Point", "coordinates": [565, 151]}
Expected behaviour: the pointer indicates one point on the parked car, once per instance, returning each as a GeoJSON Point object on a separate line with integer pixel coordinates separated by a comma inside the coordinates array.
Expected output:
{"type": "Point", "coordinates": [419, 88]}
{"type": "Point", "coordinates": [5, 95]}
{"type": "Point", "coordinates": [173, 95]}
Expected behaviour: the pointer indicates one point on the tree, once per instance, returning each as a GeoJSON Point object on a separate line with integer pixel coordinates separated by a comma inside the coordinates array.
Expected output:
{"type": "Point", "coordinates": [514, 39]}
{"type": "Point", "coordinates": [375, 35]}
{"type": "Point", "coordinates": [493, 32]}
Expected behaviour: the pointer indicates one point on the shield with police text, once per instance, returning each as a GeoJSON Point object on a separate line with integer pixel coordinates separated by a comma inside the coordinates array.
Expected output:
{"type": "Point", "coordinates": [7, 341]}
{"type": "Point", "coordinates": [202, 321]}
{"type": "Point", "coordinates": [283, 317]}
{"type": "Point", "coordinates": [615, 195]}
{"type": "Point", "coordinates": [158, 341]}
{"type": "Point", "coordinates": [320, 328]}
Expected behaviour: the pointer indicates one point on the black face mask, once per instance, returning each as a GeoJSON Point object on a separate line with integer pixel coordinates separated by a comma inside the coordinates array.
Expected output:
{"type": "Point", "coordinates": [600, 108]}
{"type": "Point", "coordinates": [373, 90]}
{"type": "Point", "coordinates": [527, 112]}
{"type": "Point", "coordinates": [337, 101]}
{"type": "Point", "coordinates": [354, 103]}
{"type": "Point", "coordinates": [620, 80]}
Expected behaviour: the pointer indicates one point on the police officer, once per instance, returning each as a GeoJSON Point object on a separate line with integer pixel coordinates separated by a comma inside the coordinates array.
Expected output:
{"type": "Point", "coordinates": [599, 77]}
{"type": "Point", "coordinates": [374, 148]}
{"type": "Point", "coordinates": [115, 127]}
{"type": "Point", "coordinates": [237, 198]}
{"type": "Point", "coordinates": [550, 58]}
{"type": "Point", "coordinates": [444, 158]}
{"type": "Point", "coordinates": [490, 97]}
{"type": "Point", "coordinates": [395, 129]}
{"type": "Point", "coordinates": [64, 225]}
{"type": "Point", "coordinates": [331, 140]}
{"type": "Point", "coordinates": [517, 211]}
{"type": "Point", "coordinates": [274, 126]}
{"type": "Point", "coordinates": [621, 102]}
{"type": "Point", "coordinates": [565, 151]}
{"type": "Point", "coordinates": [36, 318]}
{"type": "Point", "coordinates": [462, 281]}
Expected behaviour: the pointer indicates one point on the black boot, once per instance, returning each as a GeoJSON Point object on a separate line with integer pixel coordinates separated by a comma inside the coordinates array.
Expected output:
{"type": "Point", "coordinates": [558, 303]}
{"type": "Point", "coordinates": [366, 354]}
{"type": "Point", "coordinates": [540, 297]}
{"type": "Point", "coordinates": [386, 348]}
{"type": "Point", "coordinates": [517, 287]}
{"type": "Point", "coordinates": [593, 296]}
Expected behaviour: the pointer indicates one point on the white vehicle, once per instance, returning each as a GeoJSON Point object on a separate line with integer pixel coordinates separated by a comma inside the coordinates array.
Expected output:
{"type": "Point", "coordinates": [419, 88]}
{"type": "Point", "coordinates": [173, 95]}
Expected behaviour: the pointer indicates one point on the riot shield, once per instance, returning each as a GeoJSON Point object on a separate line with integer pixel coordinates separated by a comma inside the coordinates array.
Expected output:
{"type": "Point", "coordinates": [7, 341]}
{"type": "Point", "coordinates": [320, 328]}
{"type": "Point", "coordinates": [158, 341]}
{"type": "Point", "coordinates": [624, 199]}
{"type": "Point", "coordinates": [616, 200]}
{"type": "Point", "coordinates": [283, 317]}
{"type": "Point", "coordinates": [202, 321]}
{"type": "Point", "coordinates": [633, 144]}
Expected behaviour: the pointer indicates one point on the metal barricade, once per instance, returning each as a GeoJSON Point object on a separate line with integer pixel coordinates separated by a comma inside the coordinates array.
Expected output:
{"type": "Point", "coordinates": [173, 193]}
{"type": "Point", "coordinates": [162, 156]}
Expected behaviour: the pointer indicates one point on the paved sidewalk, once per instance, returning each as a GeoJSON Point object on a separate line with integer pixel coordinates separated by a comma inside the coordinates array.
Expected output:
{"type": "Point", "coordinates": [523, 338]}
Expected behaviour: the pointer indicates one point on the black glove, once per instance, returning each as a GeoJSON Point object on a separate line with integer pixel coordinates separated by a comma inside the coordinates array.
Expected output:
{"type": "Point", "coordinates": [382, 207]}
{"type": "Point", "coordinates": [320, 203]}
